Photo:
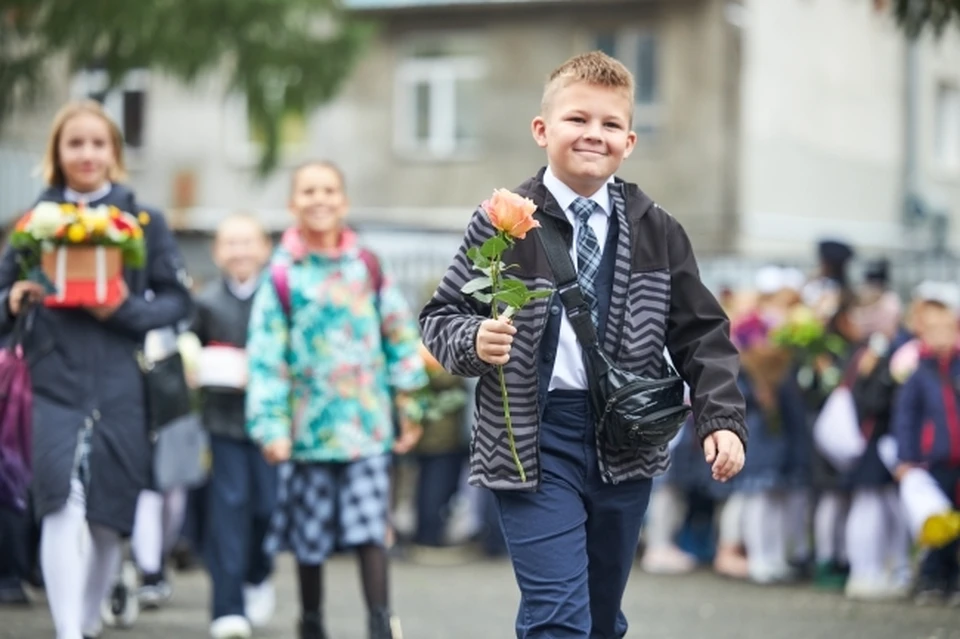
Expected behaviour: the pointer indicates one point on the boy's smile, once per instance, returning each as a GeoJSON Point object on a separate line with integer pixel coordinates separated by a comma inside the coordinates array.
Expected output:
{"type": "Point", "coordinates": [586, 132]}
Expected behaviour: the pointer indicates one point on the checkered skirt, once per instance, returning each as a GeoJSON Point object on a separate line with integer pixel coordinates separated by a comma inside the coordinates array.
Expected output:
{"type": "Point", "coordinates": [325, 507]}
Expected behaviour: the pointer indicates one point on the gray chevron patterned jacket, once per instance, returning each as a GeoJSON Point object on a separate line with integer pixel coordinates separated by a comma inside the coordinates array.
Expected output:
{"type": "Point", "coordinates": [657, 300]}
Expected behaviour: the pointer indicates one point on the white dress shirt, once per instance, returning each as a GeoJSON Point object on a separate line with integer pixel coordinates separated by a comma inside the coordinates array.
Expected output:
{"type": "Point", "coordinates": [568, 370]}
{"type": "Point", "coordinates": [76, 196]}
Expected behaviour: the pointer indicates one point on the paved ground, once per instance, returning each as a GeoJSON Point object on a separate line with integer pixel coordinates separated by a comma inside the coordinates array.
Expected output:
{"type": "Point", "coordinates": [477, 601]}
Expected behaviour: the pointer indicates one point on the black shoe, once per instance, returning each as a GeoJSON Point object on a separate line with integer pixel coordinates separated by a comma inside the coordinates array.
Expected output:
{"type": "Point", "coordinates": [929, 592]}
{"type": "Point", "coordinates": [383, 625]}
{"type": "Point", "coordinates": [14, 596]}
{"type": "Point", "coordinates": [311, 626]}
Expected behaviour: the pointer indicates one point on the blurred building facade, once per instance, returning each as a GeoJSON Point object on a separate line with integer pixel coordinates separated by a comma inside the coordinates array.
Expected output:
{"type": "Point", "coordinates": [763, 125]}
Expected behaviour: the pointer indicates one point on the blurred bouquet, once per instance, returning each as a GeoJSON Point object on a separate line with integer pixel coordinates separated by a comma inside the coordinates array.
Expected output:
{"type": "Point", "coordinates": [79, 253]}
{"type": "Point", "coordinates": [764, 361]}
{"type": "Point", "coordinates": [803, 333]}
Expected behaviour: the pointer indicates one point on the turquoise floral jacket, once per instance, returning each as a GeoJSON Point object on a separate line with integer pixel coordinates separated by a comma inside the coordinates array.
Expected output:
{"type": "Point", "coordinates": [323, 379]}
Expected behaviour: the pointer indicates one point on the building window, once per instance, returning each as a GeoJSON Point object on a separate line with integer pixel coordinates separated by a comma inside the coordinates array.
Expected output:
{"type": "Point", "coordinates": [438, 100]}
{"type": "Point", "coordinates": [947, 126]}
{"type": "Point", "coordinates": [125, 103]}
{"type": "Point", "coordinates": [639, 52]}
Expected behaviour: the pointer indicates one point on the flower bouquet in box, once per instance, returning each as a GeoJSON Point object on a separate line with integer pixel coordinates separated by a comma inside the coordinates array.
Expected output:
{"type": "Point", "coordinates": [78, 253]}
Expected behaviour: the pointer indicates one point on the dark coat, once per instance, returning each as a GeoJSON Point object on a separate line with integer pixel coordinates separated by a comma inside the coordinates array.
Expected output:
{"type": "Point", "coordinates": [926, 419]}
{"type": "Point", "coordinates": [85, 375]}
{"type": "Point", "coordinates": [222, 318]}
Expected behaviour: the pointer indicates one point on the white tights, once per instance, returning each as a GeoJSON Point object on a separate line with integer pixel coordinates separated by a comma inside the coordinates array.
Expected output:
{"type": "Point", "coordinates": [157, 527]}
{"type": "Point", "coordinates": [877, 538]}
{"type": "Point", "coordinates": [79, 562]}
{"type": "Point", "coordinates": [665, 516]}
{"type": "Point", "coordinates": [829, 524]}
{"type": "Point", "coordinates": [765, 529]}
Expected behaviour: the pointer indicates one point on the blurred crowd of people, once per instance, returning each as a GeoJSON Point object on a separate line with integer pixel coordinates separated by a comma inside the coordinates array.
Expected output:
{"type": "Point", "coordinates": [854, 455]}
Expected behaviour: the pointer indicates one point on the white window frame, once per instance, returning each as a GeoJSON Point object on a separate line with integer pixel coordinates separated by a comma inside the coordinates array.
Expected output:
{"type": "Point", "coordinates": [947, 126]}
{"type": "Point", "coordinates": [90, 82]}
{"type": "Point", "coordinates": [441, 74]}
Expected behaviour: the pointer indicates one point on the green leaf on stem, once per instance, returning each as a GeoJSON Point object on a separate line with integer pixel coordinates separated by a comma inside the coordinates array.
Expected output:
{"type": "Point", "coordinates": [510, 297]}
{"type": "Point", "coordinates": [479, 261]}
{"type": "Point", "coordinates": [476, 284]}
{"type": "Point", "coordinates": [494, 247]}
{"type": "Point", "coordinates": [539, 294]}
{"type": "Point", "coordinates": [483, 298]}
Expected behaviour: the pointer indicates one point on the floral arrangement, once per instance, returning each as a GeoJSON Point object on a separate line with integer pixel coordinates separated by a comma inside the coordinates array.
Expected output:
{"type": "Point", "coordinates": [804, 333]}
{"type": "Point", "coordinates": [50, 225]}
{"type": "Point", "coordinates": [512, 218]}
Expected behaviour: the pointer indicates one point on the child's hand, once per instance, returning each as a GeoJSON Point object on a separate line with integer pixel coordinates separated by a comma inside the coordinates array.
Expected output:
{"type": "Point", "coordinates": [724, 450]}
{"type": "Point", "coordinates": [901, 470]}
{"type": "Point", "coordinates": [277, 451]}
{"type": "Point", "coordinates": [104, 313]}
{"type": "Point", "coordinates": [21, 291]}
{"type": "Point", "coordinates": [494, 341]}
{"type": "Point", "coordinates": [410, 434]}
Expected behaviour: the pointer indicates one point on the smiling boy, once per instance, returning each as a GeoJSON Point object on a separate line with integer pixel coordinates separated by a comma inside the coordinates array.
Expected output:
{"type": "Point", "coordinates": [572, 526]}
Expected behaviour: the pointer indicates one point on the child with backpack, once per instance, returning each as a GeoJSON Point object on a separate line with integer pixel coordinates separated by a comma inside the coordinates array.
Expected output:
{"type": "Point", "coordinates": [333, 351]}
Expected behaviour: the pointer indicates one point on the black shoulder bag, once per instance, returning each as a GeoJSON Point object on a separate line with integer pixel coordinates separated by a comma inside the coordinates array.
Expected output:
{"type": "Point", "coordinates": [633, 412]}
{"type": "Point", "coordinates": [165, 382]}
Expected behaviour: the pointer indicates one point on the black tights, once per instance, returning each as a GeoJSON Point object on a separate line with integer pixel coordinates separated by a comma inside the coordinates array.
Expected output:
{"type": "Point", "coordinates": [373, 576]}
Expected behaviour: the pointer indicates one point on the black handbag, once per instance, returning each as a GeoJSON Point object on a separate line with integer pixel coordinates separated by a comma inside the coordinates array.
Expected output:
{"type": "Point", "coordinates": [167, 393]}
{"type": "Point", "coordinates": [633, 412]}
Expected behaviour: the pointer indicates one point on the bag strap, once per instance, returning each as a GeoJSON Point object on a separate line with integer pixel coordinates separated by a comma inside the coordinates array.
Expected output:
{"type": "Point", "coordinates": [568, 287]}
{"type": "Point", "coordinates": [280, 275]}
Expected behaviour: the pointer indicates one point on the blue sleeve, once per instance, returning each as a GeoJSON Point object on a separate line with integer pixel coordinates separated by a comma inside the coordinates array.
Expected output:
{"type": "Point", "coordinates": [908, 418]}
{"type": "Point", "coordinates": [166, 277]}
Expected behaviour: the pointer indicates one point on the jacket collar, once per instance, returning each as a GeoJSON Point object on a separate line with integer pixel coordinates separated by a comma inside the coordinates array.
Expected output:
{"type": "Point", "coordinates": [629, 193]}
{"type": "Point", "coordinates": [293, 243]}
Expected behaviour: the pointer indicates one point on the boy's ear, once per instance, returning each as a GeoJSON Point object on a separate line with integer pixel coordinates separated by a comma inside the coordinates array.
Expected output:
{"type": "Point", "coordinates": [539, 130]}
{"type": "Point", "coordinates": [631, 144]}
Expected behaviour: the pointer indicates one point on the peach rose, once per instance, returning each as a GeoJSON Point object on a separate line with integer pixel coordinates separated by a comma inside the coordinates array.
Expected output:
{"type": "Point", "coordinates": [511, 213]}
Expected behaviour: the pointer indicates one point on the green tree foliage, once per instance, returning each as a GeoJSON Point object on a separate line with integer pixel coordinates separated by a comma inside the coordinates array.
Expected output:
{"type": "Point", "coordinates": [285, 56]}
{"type": "Point", "coordinates": [916, 16]}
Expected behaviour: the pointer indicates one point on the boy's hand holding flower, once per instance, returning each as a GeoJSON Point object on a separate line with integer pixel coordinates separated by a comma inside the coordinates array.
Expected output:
{"type": "Point", "coordinates": [494, 340]}
{"type": "Point", "coordinates": [512, 217]}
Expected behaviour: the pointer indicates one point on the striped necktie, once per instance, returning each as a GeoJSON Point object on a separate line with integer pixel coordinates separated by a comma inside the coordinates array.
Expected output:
{"type": "Point", "coordinates": [588, 253]}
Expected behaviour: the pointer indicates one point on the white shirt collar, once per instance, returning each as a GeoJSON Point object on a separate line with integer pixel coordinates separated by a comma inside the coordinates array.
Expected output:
{"type": "Point", "coordinates": [76, 196]}
{"type": "Point", "coordinates": [243, 290]}
{"type": "Point", "coordinates": [565, 196]}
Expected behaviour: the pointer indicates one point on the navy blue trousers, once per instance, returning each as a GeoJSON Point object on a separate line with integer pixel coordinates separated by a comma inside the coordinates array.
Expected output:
{"type": "Point", "coordinates": [437, 483]}
{"type": "Point", "coordinates": [573, 542]}
{"type": "Point", "coordinates": [241, 497]}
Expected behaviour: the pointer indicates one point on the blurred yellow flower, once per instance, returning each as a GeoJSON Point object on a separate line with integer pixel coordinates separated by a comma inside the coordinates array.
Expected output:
{"type": "Point", "coordinates": [76, 233]}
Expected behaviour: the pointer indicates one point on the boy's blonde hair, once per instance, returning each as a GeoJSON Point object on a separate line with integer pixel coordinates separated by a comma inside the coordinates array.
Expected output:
{"type": "Point", "coordinates": [242, 217]}
{"type": "Point", "coordinates": [50, 167]}
{"type": "Point", "coordinates": [596, 68]}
